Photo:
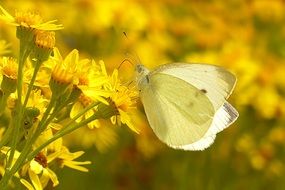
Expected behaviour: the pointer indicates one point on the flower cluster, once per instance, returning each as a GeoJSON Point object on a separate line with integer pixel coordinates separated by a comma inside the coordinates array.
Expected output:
{"type": "Point", "coordinates": [45, 96]}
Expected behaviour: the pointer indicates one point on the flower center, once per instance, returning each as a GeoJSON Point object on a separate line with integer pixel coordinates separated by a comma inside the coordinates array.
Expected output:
{"type": "Point", "coordinates": [84, 100]}
{"type": "Point", "coordinates": [10, 67]}
{"type": "Point", "coordinates": [27, 18]}
{"type": "Point", "coordinates": [45, 39]}
{"type": "Point", "coordinates": [41, 159]}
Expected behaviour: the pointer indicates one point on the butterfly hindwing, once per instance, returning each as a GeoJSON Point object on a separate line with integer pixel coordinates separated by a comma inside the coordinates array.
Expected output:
{"type": "Point", "coordinates": [223, 118]}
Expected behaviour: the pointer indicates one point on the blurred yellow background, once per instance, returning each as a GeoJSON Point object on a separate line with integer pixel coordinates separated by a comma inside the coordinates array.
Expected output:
{"type": "Point", "coordinates": [245, 37]}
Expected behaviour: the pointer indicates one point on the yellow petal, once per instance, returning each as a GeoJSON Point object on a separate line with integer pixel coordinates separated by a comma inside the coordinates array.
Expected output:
{"type": "Point", "coordinates": [74, 165]}
{"type": "Point", "coordinates": [6, 15]}
{"type": "Point", "coordinates": [36, 167]}
{"type": "Point", "coordinates": [35, 180]}
{"type": "Point", "coordinates": [27, 184]}
{"type": "Point", "coordinates": [53, 177]}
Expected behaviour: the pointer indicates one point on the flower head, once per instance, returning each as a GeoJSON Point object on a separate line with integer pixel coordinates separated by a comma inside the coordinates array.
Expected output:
{"type": "Point", "coordinates": [67, 158]}
{"type": "Point", "coordinates": [84, 101]}
{"type": "Point", "coordinates": [45, 40]}
{"type": "Point", "coordinates": [28, 20]}
{"type": "Point", "coordinates": [9, 67]}
{"type": "Point", "coordinates": [90, 78]}
{"type": "Point", "coordinates": [123, 98]}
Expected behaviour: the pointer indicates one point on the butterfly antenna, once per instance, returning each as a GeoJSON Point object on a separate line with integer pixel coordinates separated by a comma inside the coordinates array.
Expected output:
{"type": "Point", "coordinates": [125, 60]}
{"type": "Point", "coordinates": [133, 53]}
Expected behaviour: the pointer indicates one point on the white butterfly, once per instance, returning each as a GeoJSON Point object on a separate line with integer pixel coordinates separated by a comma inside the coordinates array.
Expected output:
{"type": "Point", "coordinates": [186, 104]}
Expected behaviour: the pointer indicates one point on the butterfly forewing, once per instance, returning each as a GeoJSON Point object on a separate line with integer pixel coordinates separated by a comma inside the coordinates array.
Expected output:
{"type": "Point", "coordinates": [179, 113]}
{"type": "Point", "coordinates": [216, 82]}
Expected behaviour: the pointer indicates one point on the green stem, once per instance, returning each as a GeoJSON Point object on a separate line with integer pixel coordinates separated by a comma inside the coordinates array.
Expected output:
{"type": "Point", "coordinates": [53, 115]}
{"type": "Point", "coordinates": [57, 136]}
{"type": "Point", "coordinates": [3, 102]}
{"type": "Point", "coordinates": [71, 126]}
{"type": "Point", "coordinates": [24, 53]}
{"type": "Point", "coordinates": [28, 145]}
{"type": "Point", "coordinates": [61, 132]}
{"type": "Point", "coordinates": [22, 59]}
{"type": "Point", "coordinates": [85, 110]}
{"type": "Point", "coordinates": [7, 135]}
{"type": "Point", "coordinates": [31, 84]}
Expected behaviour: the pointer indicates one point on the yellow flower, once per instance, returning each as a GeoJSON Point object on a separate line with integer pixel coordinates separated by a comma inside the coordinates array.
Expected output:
{"type": "Point", "coordinates": [55, 153]}
{"type": "Point", "coordinates": [124, 99]}
{"type": "Point", "coordinates": [47, 134]}
{"type": "Point", "coordinates": [69, 62]}
{"type": "Point", "coordinates": [36, 184]}
{"type": "Point", "coordinates": [36, 101]}
{"type": "Point", "coordinates": [9, 67]}
{"type": "Point", "coordinates": [45, 39]}
{"type": "Point", "coordinates": [34, 168]}
{"type": "Point", "coordinates": [44, 43]}
{"type": "Point", "coordinates": [28, 20]}
{"type": "Point", "coordinates": [59, 153]}
{"type": "Point", "coordinates": [6, 150]}
{"type": "Point", "coordinates": [62, 71]}
{"type": "Point", "coordinates": [62, 74]}
{"type": "Point", "coordinates": [84, 101]}
{"type": "Point", "coordinates": [39, 173]}
{"type": "Point", "coordinates": [83, 74]}
{"type": "Point", "coordinates": [90, 78]}
{"type": "Point", "coordinates": [66, 158]}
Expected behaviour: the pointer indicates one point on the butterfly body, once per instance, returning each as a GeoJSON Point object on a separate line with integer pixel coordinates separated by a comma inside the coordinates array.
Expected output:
{"type": "Point", "coordinates": [186, 103]}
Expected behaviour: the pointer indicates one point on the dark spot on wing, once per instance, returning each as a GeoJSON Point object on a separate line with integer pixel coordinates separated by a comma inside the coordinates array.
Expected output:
{"type": "Point", "coordinates": [200, 92]}
{"type": "Point", "coordinates": [191, 104]}
{"type": "Point", "coordinates": [147, 78]}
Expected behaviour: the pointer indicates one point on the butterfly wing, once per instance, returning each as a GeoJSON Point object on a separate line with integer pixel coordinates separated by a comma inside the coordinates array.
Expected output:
{"type": "Point", "coordinates": [223, 118]}
{"type": "Point", "coordinates": [216, 82]}
{"type": "Point", "coordinates": [178, 112]}
{"type": "Point", "coordinates": [177, 115]}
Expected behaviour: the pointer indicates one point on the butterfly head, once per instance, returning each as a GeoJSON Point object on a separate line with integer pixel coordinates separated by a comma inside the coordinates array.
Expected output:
{"type": "Point", "coordinates": [141, 74]}
{"type": "Point", "coordinates": [141, 70]}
